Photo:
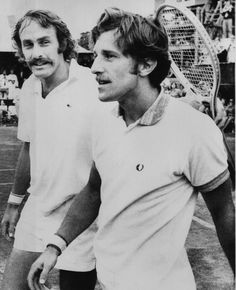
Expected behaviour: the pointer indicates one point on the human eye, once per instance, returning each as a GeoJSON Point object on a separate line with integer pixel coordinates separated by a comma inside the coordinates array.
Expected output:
{"type": "Point", "coordinates": [27, 44]}
{"type": "Point", "coordinates": [109, 55]}
{"type": "Point", "coordinates": [44, 42]}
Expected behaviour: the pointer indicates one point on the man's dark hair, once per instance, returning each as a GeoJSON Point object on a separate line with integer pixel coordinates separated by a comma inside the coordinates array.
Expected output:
{"type": "Point", "coordinates": [46, 19]}
{"type": "Point", "coordinates": [139, 37]}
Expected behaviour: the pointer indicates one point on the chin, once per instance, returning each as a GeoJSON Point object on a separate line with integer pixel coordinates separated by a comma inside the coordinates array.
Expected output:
{"type": "Point", "coordinates": [102, 99]}
{"type": "Point", "coordinates": [106, 98]}
{"type": "Point", "coordinates": [42, 73]}
{"type": "Point", "coordinates": [39, 74]}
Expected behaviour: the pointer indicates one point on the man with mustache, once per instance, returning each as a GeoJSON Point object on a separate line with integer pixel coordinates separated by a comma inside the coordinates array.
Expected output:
{"type": "Point", "coordinates": [54, 164]}
{"type": "Point", "coordinates": [152, 155]}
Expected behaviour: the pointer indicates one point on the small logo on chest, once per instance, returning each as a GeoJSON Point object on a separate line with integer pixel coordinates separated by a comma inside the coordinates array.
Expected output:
{"type": "Point", "coordinates": [139, 167]}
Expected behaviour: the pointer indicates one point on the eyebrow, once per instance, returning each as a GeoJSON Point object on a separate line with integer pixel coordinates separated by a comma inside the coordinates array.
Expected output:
{"type": "Point", "coordinates": [25, 41]}
{"type": "Point", "coordinates": [43, 38]}
{"type": "Point", "coordinates": [104, 51]}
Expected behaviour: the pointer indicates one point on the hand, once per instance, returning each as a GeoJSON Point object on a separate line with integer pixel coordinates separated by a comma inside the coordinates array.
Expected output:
{"type": "Point", "coordinates": [9, 221]}
{"type": "Point", "coordinates": [41, 267]}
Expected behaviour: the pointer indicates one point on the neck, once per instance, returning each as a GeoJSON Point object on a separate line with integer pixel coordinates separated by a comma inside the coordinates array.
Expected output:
{"type": "Point", "coordinates": [50, 83]}
{"type": "Point", "coordinates": [135, 106]}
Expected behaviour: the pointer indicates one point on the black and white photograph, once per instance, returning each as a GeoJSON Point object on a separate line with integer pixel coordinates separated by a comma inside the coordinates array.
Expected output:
{"type": "Point", "coordinates": [117, 144]}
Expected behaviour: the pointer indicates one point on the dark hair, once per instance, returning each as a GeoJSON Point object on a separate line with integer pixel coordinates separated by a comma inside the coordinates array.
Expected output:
{"type": "Point", "coordinates": [46, 19]}
{"type": "Point", "coordinates": [139, 37]}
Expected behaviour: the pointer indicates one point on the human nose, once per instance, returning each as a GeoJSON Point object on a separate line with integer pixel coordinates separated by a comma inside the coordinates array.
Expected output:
{"type": "Point", "coordinates": [36, 51]}
{"type": "Point", "coordinates": [97, 66]}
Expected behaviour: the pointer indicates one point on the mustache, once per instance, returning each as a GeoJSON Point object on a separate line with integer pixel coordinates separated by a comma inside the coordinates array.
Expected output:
{"type": "Point", "coordinates": [102, 79]}
{"type": "Point", "coordinates": [38, 61]}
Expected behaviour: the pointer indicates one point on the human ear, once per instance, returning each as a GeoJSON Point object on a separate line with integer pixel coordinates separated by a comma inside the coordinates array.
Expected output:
{"type": "Point", "coordinates": [146, 67]}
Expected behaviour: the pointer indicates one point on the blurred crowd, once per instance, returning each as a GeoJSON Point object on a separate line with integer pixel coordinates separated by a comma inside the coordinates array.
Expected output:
{"type": "Point", "coordinates": [225, 110]}
{"type": "Point", "coordinates": [9, 97]}
{"type": "Point", "coordinates": [218, 17]}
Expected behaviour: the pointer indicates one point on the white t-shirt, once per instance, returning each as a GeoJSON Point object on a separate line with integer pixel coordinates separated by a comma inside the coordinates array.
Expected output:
{"type": "Point", "coordinates": [151, 172]}
{"type": "Point", "coordinates": [12, 80]}
{"type": "Point", "coordinates": [57, 129]}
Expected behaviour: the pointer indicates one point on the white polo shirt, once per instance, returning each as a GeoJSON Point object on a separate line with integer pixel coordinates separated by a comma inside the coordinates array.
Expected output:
{"type": "Point", "coordinates": [57, 129]}
{"type": "Point", "coordinates": [151, 172]}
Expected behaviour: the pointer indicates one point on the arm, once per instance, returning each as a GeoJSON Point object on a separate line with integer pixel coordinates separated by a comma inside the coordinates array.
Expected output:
{"type": "Point", "coordinates": [220, 204]}
{"type": "Point", "coordinates": [82, 212]}
{"type": "Point", "coordinates": [22, 174]}
{"type": "Point", "coordinates": [20, 186]}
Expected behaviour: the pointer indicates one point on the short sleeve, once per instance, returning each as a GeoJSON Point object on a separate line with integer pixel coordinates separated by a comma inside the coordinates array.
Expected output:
{"type": "Point", "coordinates": [207, 166]}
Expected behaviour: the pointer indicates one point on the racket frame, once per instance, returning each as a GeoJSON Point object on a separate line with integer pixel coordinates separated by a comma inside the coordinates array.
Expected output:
{"type": "Point", "coordinates": [209, 46]}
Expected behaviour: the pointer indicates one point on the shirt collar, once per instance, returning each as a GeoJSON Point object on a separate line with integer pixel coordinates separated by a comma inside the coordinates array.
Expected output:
{"type": "Point", "coordinates": [153, 114]}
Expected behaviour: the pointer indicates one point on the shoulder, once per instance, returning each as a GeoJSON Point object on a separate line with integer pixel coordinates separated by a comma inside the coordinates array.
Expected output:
{"type": "Point", "coordinates": [186, 118]}
{"type": "Point", "coordinates": [180, 109]}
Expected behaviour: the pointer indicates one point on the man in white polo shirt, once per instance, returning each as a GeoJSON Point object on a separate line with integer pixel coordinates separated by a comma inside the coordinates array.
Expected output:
{"type": "Point", "coordinates": [152, 155]}
{"type": "Point", "coordinates": [54, 164]}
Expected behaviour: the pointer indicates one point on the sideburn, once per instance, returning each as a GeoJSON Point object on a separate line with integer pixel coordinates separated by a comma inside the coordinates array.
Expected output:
{"type": "Point", "coordinates": [62, 46]}
{"type": "Point", "coordinates": [134, 69]}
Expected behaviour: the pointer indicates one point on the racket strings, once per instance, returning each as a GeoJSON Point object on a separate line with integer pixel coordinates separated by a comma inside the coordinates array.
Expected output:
{"type": "Point", "coordinates": [188, 50]}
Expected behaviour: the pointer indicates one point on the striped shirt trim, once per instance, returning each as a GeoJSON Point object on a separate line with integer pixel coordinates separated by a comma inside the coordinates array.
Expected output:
{"type": "Point", "coordinates": [153, 114]}
{"type": "Point", "coordinates": [213, 184]}
{"type": "Point", "coordinates": [15, 198]}
{"type": "Point", "coordinates": [17, 195]}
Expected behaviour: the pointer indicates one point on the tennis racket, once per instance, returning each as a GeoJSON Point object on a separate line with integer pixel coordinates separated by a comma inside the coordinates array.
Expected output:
{"type": "Point", "coordinates": [194, 58]}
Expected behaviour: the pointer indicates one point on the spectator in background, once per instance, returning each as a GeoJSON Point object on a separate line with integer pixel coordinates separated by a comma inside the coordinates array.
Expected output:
{"type": "Point", "coordinates": [12, 79]}
{"type": "Point", "coordinates": [227, 13]}
{"type": "Point", "coordinates": [166, 84]}
{"type": "Point", "coordinates": [221, 115]}
{"type": "Point", "coordinates": [13, 86]}
{"type": "Point", "coordinates": [229, 124]}
{"type": "Point", "coordinates": [177, 90]}
{"type": "Point", "coordinates": [4, 84]}
{"type": "Point", "coordinates": [218, 20]}
{"type": "Point", "coordinates": [231, 56]}
{"type": "Point", "coordinates": [207, 11]}
{"type": "Point", "coordinates": [3, 78]}
{"type": "Point", "coordinates": [230, 108]}
{"type": "Point", "coordinates": [225, 48]}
